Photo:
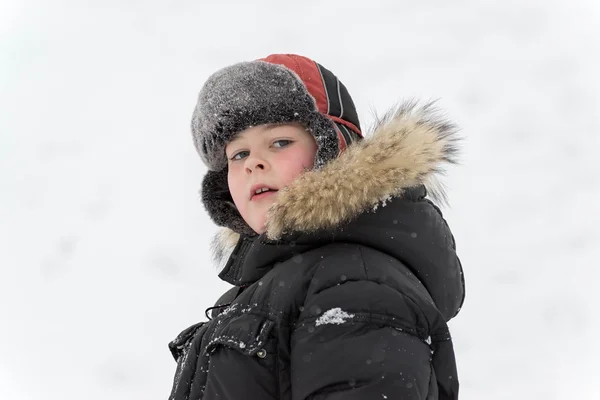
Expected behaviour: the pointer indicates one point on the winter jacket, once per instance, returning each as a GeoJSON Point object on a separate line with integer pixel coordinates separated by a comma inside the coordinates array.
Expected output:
{"type": "Point", "coordinates": [348, 293]}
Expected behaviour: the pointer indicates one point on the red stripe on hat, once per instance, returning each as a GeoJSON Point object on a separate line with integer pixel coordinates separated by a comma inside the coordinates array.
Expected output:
{"type": "Point", "coordinates": [341, 140]}
{"type": "Point", "coordinates": [350, 125]}
{"type": "Point", "coordinates": [308, 72]}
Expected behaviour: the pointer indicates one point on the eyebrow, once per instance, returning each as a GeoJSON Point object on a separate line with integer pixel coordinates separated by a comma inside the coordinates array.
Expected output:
{"type": "Point", "coordinates": [268, 127]}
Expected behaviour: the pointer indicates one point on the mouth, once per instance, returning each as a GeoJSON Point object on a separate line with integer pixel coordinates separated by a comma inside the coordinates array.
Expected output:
{"type": "Point", "coordinates": [263, 195]}
{"type": "Point", "coordinates": [260, 191]}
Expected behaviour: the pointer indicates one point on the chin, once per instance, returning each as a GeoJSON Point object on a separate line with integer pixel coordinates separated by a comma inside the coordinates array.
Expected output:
{"type": "Point", "coordinates": [258, 226]}
{"type": "Point", "coordinates": [261, 227]}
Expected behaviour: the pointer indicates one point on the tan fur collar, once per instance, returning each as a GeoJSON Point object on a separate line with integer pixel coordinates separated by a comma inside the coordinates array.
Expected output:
{"type": "Point", "coordinates": [407, 147]}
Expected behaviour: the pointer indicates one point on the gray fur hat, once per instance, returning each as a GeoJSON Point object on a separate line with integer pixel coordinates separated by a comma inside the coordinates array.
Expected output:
{"type": "Point", "coordinates": [281, 88]}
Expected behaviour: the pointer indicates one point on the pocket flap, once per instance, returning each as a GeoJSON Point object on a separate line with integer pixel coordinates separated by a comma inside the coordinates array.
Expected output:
{"type": "Point", "coordinates": [178, 345]}
{"type": "Point", "coordinates": [246, 332]}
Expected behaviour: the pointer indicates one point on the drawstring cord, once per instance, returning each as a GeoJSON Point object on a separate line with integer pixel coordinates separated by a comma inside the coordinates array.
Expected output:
{"type": "Point", "coordinates": [214, 308]}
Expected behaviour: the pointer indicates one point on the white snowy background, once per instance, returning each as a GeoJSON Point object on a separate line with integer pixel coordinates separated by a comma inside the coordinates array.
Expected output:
{"type": "Point", "coordinates": [104, 242]}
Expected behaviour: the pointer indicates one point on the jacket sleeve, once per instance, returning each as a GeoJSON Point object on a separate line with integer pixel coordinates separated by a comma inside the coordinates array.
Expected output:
{"type": "Point", "coordinates": [360, 340]}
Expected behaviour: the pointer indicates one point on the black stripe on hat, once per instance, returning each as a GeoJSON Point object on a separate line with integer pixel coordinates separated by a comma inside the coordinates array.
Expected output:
{"type": "Point", "coordinates": [339, 102]}
{"type": "Point", "coordinates": [331, 90]}
{"type": "Point", "coordinates": [340, 98]}
{"type": "Point", "coordinates": [324, 85]}
{"type": "Point", "coordinates": [345, 133]}
{"type": "Point", "coordinates": [350, 113]}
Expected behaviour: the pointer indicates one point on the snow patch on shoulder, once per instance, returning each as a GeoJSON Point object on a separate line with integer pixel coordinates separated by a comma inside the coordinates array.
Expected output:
{"type": "Point", "coordinates": [334, 316]}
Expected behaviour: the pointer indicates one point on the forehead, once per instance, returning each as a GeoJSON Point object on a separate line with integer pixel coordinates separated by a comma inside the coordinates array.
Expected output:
{"type": "Point", "coordinates": [260, 130]}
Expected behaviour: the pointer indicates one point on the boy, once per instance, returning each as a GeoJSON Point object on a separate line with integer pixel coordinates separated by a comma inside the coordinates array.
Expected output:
{"type": "Point", "coordinates": [344, 273]}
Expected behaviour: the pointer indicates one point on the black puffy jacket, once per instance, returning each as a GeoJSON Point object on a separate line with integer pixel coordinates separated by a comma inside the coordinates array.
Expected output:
{"type": "Point", "coordinates": [348, 293]}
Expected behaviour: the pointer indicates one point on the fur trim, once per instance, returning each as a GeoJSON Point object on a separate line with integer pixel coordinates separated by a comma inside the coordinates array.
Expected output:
{"type": "Point", "coordinates": [222, 246]}
{"type": "Point", "coordinates": [407, 148]}
{"type": "Point", "coordinates": [255, 93]}
{"type": "Point", "coordinates": [219, 204]}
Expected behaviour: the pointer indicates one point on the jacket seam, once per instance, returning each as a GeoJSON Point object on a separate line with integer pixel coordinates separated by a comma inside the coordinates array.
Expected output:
{"type": "Point", "coordinates": [421, 318]}
{"type": "Point", "coordinates": [276, 363]}
{"type": "Point", "coordinates": [419, 312]}
{"type": "Point", "coordinates": [377, 318]}
{"type": "Point", "coordinates": [362, 261]}
{"type": "Point", "coordinates": [240, 269]}
{"type": "Point", "coordinates": [268, 313]}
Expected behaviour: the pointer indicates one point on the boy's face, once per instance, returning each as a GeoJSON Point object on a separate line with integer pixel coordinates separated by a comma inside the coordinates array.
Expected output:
{"type": "Point", "coordinates": [266, 156]}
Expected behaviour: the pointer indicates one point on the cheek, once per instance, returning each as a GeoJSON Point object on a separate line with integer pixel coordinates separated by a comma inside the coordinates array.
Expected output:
{"type": "Point", "coordinates": [306, 156]}
{"type": "Point", "coordinates": [292, 165]}
{"type": "Point", "coordinates": [235, 188]}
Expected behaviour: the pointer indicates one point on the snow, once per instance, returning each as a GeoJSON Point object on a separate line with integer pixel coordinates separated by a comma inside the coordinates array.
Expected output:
{"type": "Point", "coordinates": [103, 240]}
{"type": "Point", "coordinates": [335, 316]}
{"type": "Point", "coordinates": [382, 202]}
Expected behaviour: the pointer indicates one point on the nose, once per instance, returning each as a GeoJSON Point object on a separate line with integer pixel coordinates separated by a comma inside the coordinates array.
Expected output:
{"type": "Point", "coordinates": [256, 162]}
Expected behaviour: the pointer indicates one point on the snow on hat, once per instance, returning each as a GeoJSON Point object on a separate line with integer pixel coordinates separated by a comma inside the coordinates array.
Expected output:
{"type": "Point", "coordinates": [281, 88]}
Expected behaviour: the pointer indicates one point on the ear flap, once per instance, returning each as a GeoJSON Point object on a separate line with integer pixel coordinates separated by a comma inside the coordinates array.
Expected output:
{"type": "Point", "coordinates": [219, 203]}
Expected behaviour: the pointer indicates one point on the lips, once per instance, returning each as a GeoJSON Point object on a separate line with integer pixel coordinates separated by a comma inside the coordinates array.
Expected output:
{"type": "Point", "coordinates": [263, 195]}
{"type": "Point", "coordinates": [255, 188]}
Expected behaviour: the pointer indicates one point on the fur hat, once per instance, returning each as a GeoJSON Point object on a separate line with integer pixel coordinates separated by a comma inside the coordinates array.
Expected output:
{"type": "Point", "coordinates": [279, 89]}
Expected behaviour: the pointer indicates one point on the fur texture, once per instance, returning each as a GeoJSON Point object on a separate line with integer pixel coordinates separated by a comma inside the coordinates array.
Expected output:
{"type": "Point", "coordinates": [219, 204]}
{"type": "Point", "coordinates": [408, 147]}
{"type": "Point", "coordinates": [255, 93]}
{"type": "Point", "coordinates": [222, 246]}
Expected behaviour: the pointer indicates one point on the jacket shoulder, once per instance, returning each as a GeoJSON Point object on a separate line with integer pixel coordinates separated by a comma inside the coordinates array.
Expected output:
{"type": "Point", "coordinates": [361, 280]}
{"type": "Point", "coordinates": [344, 262]}
{"type": "Point", "coordinates": [225, 300]}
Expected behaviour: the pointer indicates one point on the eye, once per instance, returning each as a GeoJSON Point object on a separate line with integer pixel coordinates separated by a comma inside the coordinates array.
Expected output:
{"type": "Point", "coordinates": [240, 155]}
{"type": "Point", "coordinates": [282, 143]}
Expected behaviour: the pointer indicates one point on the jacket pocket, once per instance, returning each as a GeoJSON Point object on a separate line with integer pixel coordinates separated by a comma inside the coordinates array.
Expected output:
{"type": "Point", "coordinates": [180, 344]}
{"type": "Point", "coordinates": [242, 360]}
{"type": "Point", "coordinates": [246, 333]}
{"type": "Point", "coordinates": [186, 349]}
